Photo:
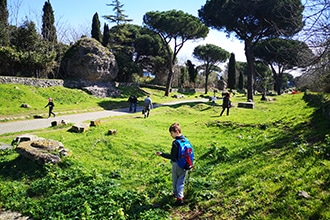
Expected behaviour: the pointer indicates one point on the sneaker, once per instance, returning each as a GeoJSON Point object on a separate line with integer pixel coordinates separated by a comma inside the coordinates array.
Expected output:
{"type": "Point", "coordinates": [179, 202]}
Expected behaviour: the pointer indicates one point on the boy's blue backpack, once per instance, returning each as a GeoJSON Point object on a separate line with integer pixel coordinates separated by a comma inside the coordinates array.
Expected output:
{"type": "Point", "coordinates": [186, 154]}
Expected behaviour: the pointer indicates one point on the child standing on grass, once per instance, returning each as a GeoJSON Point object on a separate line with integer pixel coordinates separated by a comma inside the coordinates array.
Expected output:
{"type": "Point", "coordinates": [51, 106]}
{"type": "Point", "coordinates": [226, 104]}
{"type": "Point", "coordinates": [178, 173]}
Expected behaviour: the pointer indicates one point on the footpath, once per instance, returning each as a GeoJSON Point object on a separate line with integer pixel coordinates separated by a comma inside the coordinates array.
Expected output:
{"type": "Point", "coordinates": [41, 123]}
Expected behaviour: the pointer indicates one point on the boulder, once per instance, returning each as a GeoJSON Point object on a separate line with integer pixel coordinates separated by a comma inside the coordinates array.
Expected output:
{"type": "Point", "coordinates": [42, 150]}
{"type": "Point", "coordinates": [89, 60]}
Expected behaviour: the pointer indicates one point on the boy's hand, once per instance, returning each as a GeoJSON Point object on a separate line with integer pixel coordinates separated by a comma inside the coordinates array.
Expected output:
{"type": "Point", "coordinates": [159, 153]}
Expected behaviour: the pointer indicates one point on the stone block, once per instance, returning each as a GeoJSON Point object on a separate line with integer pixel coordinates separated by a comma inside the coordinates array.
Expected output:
{"type": "Point", "coordinates": [79, 128]}
{"type": "Point", "coordinates": [112, 131]}
{"type": "Point", "coordinates": [95, 123]}
{"type": "Point", "coordinates": [245, 105]}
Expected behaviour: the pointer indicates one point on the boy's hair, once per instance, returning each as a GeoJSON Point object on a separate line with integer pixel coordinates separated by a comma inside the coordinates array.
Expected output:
{"type": "Point", "coordinates": [175, 127]}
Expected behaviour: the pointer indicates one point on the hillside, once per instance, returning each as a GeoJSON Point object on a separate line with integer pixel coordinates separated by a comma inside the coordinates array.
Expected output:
{"type": "Point", "coordinates": [270, 162]}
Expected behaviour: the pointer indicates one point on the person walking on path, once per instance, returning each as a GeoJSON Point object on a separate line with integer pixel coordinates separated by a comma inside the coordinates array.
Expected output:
{"type": "Point", "coordinates": [147, 106]}
{"type": "Point", "coordinates": [178, 173]}
{"type": "Point", "coordinates": [132, 103]}
{"type": "Point", "coordinates": [226, 104]}
{"type": "Point", "coordinates": [51, 106]}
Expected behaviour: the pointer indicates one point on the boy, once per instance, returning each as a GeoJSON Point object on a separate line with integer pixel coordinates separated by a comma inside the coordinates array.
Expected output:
{"type": "Point", "coordinates": [178, 173]}
{"type": "Point", "coordinates": [51, 106]}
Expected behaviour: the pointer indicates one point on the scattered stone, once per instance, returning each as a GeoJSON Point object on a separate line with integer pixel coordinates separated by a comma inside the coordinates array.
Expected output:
{"type": "Point", "coordinates": [245, 105]}
{"type": "Point", "coordinates": [95, 123]}
{"type": "Point", "coordinates": [4, 146]}
{"type": "Point", "coordinates": [37, 116]}
{"type": "Point", "coordinates": [112, 131]}
{"type": "Point", "coordinates": [65, 122]}
{"type": "Point", "coordinates": [303, 194]}
{"type": "Point", "coordinates": [24, 105]}
{"type": "Point", "coordinates": [53, 123]}
{"type": "Point", "coordinates": [8, 215]}
{"type": "Point", "coordinates": [79, 128]}
{"type": "Point", "coordinates": [22, 138]}
{"type": "Point", "coordinates": [178, 96]}
{"type": "Point", "coordinates": [42, 150]}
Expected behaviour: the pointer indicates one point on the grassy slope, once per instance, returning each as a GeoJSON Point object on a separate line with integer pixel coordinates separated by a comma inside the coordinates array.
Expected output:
{"type": "Point", "coordinates": [249, 165]}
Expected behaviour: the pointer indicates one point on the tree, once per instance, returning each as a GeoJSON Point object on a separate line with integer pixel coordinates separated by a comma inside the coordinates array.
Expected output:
{"type": "Point", "coordinates": [316, 34]}
{"type": "Point", "coordinates": [48, 29]}
{"type": "Point", "coordinates": [192, 71]}
{"type": "Point", "coordinates": [252, 21]}
{"type": "Point", "coordinates": [4, 35]}
{"type": "Point", "coordinates": [175, 26]}
{"type": "Point", "coordinates": [96, 28]}
{"type": "Point", "coordinates": [139, 50]}
{"type": "Point", "coordinates": [232, 72]}
{"type": "Point", "coordinates": [119, 17]}
{"type": "Point", "coordinates": [106, 35]}
{"type": "Point", "coordinates": [211, 55]}
{"type": "Point", "coordinates": [25, 37]}
{"type": "Point", "coordinates": [282, 55]}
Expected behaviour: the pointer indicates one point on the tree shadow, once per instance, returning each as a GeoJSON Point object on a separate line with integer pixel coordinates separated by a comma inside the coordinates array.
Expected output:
{"type": "Point", "coordinates": [21, 167]}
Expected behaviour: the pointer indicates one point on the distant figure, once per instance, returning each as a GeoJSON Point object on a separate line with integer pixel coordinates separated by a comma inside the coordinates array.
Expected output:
{"type": "Point", "coordinates": [51, 106]}
{"type": "Point", "coordinates": [213, 99]}
{"type": "Point", "coordinates": [147, 106]}
{"type": "Point", "coordinates": [132, 103]}
{"type": "Point", "coordinates": [226, 104]}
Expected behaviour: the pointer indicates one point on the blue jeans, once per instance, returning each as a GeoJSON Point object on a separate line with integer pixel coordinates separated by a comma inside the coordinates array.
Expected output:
{"type": "Point", "coordinates": [131, 104]}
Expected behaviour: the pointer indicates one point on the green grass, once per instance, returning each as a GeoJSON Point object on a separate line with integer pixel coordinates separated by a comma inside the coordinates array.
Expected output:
{"type": "Point", "coordinates": [251, 164]}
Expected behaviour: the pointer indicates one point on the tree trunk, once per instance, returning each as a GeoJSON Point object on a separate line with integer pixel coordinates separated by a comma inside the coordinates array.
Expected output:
{"type": "Point", "coordinates": [250, 68]}
{"type": "Point", "coordinates": [169, 81]}
{"type": "Point", "coordinates": [279, 83]}
{"type": "Point", "coordinates": [207, 73]}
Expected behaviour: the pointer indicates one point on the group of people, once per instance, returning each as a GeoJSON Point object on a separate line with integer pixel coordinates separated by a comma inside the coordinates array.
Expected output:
{"type": "Point", "coordinates": [147, 106]}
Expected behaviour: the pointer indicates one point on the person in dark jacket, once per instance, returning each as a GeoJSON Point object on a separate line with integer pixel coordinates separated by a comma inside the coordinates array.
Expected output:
{"type": "Point", "coordinates": [226, 104]}
{"type": "Point", "coordinates": [178, 174]}
{"type": "Point", "coordinates": [132, 103]}
{"type": "Point", "coordinates": [51, 106]}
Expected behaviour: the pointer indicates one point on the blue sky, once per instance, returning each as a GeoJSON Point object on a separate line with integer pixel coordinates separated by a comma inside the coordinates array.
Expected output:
{"type": "Point", "coordinates": [78, 14]}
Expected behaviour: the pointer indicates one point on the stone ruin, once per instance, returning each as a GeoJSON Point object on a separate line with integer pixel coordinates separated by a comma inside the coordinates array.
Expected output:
{"type": "Point", "coordinates": [40, 149]}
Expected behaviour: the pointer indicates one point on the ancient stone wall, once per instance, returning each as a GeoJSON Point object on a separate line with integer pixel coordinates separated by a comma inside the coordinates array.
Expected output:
{"type": "Point", "coordinates": [31, 81]}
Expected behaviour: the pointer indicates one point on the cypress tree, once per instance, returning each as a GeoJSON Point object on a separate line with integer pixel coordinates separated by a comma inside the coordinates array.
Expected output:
{"type": "Point", "coordinates": [106, 35]}
{"type": "Point", "coordinates": [4, 37]}
{"type": "Point", "coordinates": [232, 72]}
{"type": "Point", "coordinates": [241, 81]}
{"type": "Point", "coordinates": [96, 31]}
{"type": "Point", "coordinates": [48, 29]}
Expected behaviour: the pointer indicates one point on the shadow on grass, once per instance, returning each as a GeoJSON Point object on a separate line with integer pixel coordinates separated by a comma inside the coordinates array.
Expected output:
{"type": "Point", "coordinates": [20, 167]}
